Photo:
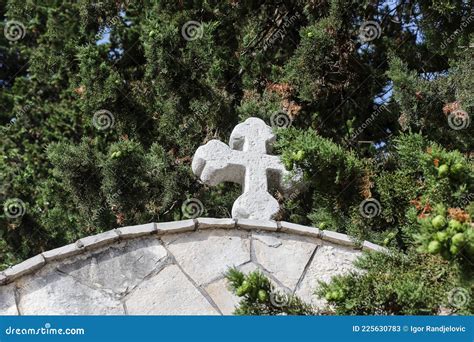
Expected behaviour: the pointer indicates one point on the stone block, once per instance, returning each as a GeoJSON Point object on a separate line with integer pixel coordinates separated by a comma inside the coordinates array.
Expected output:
{"type": "Point", "coordinates": [25, 267]}
{"type": "Point", "coordinates": [206, 255]}
{"type": "Point", "coordinates": [136, 231]}
{"type": "Point", "coordinates": [292, 228]}
{"type": "Point", "coordinates": [175, 227]}
{"type": "Point", "coordinates": [249, 224]}
{"type": "Point", "coordinates": [337, 238]}
{"type": "Point", "coordinates": [62, 252]}
{"type": "Point", "coordinates": [99, 240]}
{"type": "Point", "coordinates": [210, 223]}
{"type": "Point", "coordinates": [284, 256]}
{"type": "Point", "coordinates": [121, 267]}
{"type": "Point", "coordinates": [327, 262]}
{"type": "Point", "coordinates": [7, 301]}
{"type": "Point", "coordinates": [57, 294]}
{"type": "Point", "coordinates": [168, 293]}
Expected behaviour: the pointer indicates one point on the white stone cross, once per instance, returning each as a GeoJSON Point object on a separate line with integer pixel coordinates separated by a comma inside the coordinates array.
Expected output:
{"type": "Point", "coordinates": [247, 162]}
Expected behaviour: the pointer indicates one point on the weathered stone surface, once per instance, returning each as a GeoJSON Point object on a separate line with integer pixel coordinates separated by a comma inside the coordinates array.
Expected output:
{"type": "Point", "coordinates": [3, 278]}
{"type": "Point", "coordinates": [206, 255]}
{"type": "Point", "coordinates": [285, 256]}
{"type": "Point", "coordinates": [249, 267]}
{"type": "Point", "coordinates": [119, 268]}
{"type": "Point", "coordinates": [99, 240]}
{"type": "Point", "coordinates": [292, 228]}
{"type": "Point", "coordinates": [221, 294]}
{"type": "Point", "coordinates": [175, 227]}
{"type": "Point", "coordinates": [168, 293]}
{"type": "Point", "coordinates": [7, 300]}
{"type": "Point", "coordinates": [62, 252]}
{"type": "Point", "coordinates": [327, 262]}
{"type": "Point", "coordinates": [257, 225]}
{"type": "Point", "coordinates": [136, 231]}
{"type": "Point", "coordinates": [100, 280]}
{"type": "Point", "coordinates": [338, 238]}
{"type": "Point", "coordinates": [212, 223]}
{"type": "Point", "coordinates": [27, 266]}
{"type": "Point", "coordinates": [245, 161]}
{"type": "Point", "coordinates": [56, 294]}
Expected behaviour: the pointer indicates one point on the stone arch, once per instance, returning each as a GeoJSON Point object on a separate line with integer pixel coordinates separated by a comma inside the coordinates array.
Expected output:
{"type": "Point", "coordinates": [174, 268]}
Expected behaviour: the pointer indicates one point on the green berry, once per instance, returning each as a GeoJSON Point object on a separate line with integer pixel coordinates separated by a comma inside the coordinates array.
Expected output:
{"type": "Point", "coordinates": [240, 291]}
{"type": "Point", "coordinates": [434, 247]}
{"type": "Point", "coordinates": [458, 240]}
{"type": "Point", "coordinates": [438, 222]}
{"type": "Point", "coordinates": [456, 168]}
{"type": "Point", "coordinates": [441, 236]}
{"type": "Point", "coordinates": [455, 225]}
{"type": "Point", "coordinates": [340, 294]}
{"type": "Point", "coordinates": [443, 170]}
{"type": "Point", "coordinates": [454, 249]}
{"type": "Point", "coordinates": [262, 295]}
{"type": "Point", "coordinates": [243, 289]}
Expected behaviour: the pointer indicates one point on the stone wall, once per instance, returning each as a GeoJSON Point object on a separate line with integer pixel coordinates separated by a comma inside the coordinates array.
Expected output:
{"type": "Point", "coordinates": [174, 268]}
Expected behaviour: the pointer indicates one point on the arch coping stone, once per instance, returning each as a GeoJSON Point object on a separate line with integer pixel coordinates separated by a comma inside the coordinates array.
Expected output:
{"type": "Point", "coordinates": [110, 237]}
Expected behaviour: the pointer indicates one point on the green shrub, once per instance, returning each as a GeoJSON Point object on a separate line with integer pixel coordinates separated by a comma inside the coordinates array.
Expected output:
{"type": "Point", "coordinates": [259, 296]}
{"type": "Point", "coordinates": [396, 284]}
